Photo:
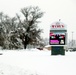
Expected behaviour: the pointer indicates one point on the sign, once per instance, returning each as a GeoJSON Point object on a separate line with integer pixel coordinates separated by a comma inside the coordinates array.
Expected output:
{"type": "Point", "coordinates": [57, 26]}
{"type": "Point", "coordinates": [57, 38]}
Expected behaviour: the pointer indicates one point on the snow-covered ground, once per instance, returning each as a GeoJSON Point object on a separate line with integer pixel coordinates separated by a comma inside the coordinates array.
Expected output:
{"type": "Point", "coordinates": [35, 62]}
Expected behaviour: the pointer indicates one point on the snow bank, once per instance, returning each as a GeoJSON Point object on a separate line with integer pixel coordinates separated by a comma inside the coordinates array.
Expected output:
{"type": "Point", "coordinates": [35, 62]}
{"type": "Point", "coordinates": [13, 70]}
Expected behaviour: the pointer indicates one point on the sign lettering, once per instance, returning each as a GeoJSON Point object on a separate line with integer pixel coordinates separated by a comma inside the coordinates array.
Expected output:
{"type": "Point", "coordinates": [57, 26]}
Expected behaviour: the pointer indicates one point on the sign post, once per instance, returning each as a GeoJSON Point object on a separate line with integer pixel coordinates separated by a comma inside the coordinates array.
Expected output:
{"type": "Point", "coordinates": [58, 38]}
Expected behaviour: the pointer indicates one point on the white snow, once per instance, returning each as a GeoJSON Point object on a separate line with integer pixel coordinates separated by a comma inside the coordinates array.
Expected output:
{"type": "Point", "coordinates": [35, 62]}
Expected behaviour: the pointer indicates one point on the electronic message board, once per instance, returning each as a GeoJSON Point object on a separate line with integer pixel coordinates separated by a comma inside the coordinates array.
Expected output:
{"type": "Point", "coordinates": [57, 38]}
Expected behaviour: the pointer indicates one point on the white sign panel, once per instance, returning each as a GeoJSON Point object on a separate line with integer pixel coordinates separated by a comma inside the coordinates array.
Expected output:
{"type": "Point", "coordinates": [58, 26]}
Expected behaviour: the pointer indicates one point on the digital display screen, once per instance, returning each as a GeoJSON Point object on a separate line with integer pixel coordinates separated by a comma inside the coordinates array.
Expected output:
{"type": "Point", "coordinates": [57, 38]}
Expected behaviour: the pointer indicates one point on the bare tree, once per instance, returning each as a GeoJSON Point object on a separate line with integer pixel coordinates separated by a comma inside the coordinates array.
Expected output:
{"type": "Point", "coordinates": [32, 33]}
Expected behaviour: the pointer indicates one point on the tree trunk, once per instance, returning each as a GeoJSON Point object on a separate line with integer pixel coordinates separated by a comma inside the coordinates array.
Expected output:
{"type": "Point", "coordinates": [26, 42]}
{"type": "Point", "coordinates": [25, 46]}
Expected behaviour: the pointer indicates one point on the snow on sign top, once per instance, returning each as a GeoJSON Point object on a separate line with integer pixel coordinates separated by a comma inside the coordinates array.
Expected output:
{"type": "Point", "coordinates": [58, 26]}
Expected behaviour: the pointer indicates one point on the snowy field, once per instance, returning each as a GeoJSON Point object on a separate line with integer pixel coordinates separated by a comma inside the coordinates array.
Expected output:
{"type": "Point", "coordinates": [35, 62]}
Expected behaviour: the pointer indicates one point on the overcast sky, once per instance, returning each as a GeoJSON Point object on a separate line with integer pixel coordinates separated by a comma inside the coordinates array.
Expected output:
{"type": "Point", "coordinates": [54, 10]}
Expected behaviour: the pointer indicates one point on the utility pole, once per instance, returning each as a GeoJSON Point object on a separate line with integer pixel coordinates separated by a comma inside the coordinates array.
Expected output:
{"type": "Point", "coordinates": [72, 39]}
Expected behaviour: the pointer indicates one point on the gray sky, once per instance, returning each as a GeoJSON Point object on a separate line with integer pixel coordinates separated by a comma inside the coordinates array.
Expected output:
{"type": "Point", "coordinates": [54, 10]}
